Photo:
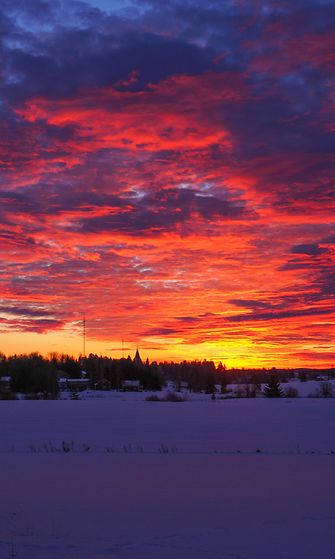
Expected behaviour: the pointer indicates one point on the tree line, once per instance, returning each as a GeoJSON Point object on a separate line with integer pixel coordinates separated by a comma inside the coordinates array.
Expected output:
{"type": "Point", "coordinates": [33, 373]}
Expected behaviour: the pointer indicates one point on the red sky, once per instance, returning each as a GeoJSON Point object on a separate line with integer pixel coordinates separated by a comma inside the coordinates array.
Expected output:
{"type": "Point", "coordinates": [168, 170]}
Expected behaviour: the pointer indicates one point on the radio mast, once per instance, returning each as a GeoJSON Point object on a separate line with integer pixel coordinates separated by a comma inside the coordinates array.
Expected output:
{"type": "Point", "coordinates": [84, 336]}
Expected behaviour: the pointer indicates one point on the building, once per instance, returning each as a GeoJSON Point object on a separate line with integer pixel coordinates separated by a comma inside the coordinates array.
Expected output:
{"type": "Point", "coordinates": [137, 360]}
{"type": "Point", "coordinates": [5, 384]}
{"type": "Point", "coordinates": [132, 386]}
{"type": "Point", "coordinates": [76, 384]}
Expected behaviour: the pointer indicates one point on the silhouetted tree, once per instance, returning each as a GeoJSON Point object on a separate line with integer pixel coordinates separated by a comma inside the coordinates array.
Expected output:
{"type": "Point", "coordinates": [326, 389]}
{"type": "Point", "coordinates": [273, 388]}
{"type": "Point", "coordinates": [32, 373]}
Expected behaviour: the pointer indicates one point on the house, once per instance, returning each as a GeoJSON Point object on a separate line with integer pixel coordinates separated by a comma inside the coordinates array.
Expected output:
{"type": "Point", "coordinates": [102, 384]}
{"type": "Point", "coordinates": [131, 386]}
{"type": "Point", "coordinates": [5, 384]}
{"type": "Point", "coordinates": [76, 384]}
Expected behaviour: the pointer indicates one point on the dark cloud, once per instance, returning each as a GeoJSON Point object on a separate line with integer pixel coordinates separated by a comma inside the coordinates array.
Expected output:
{"type": "Point", "coordinates": [330, 240]}
{"type": "Point", "coordinates": [39, 326]}
{"type": "Point", "coordinates": [163, 331]}
{"type": "Point", "coordinates": [18, 310]}
{"type": "Point", "coordinates": [325, 281]}
{"type": "Point", "coordinates": [162, 211]}
{"type": "Point", "coordinates": [281, 314]}
{"type": "Point", "coordinates": [309, 249]}
{"type": "Point", "coordinates": [17, 238]}
{"type": "Point", "coordinates": [249, 304]}
{"type": "Point", "coordinates": [98, 50]}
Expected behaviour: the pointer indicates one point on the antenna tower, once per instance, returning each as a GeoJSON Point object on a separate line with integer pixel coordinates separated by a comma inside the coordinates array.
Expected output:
{"type": "Point", "coordinates": [84, 336]}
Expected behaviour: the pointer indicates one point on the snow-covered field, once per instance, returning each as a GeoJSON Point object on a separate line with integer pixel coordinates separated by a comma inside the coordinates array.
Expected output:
{"type": "Point", "coordinates": [235, 479]}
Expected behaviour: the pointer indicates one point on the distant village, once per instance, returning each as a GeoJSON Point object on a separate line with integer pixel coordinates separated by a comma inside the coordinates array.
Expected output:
{"type": "Point", "coordinates": [35, 376]}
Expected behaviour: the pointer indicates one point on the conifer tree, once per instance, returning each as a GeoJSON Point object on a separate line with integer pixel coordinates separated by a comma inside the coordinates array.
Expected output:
{"type": "Point", "coordinates": [273, 388]}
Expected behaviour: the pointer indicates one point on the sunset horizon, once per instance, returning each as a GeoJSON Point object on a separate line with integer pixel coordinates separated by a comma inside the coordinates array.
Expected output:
{"type": "Point", "coordinates": [225, 356]}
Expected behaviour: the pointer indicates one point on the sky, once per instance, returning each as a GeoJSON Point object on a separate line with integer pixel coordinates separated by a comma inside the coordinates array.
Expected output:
{"type": "Point", "coordinates": [167, 170]}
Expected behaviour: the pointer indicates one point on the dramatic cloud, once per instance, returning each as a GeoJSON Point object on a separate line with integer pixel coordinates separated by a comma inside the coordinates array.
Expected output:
{"type": "Point", "coordinates": [310, 249]}
{"type": "Point", "coordinates": [167, 169]}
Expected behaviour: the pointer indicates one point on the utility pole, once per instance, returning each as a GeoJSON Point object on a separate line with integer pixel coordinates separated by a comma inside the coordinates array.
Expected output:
{"type": "Point", "coordinates": [84, 336]}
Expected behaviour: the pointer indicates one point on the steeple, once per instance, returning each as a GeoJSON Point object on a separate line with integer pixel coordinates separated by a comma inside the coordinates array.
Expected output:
{"type": "Point", "coordinates": [137, 359]}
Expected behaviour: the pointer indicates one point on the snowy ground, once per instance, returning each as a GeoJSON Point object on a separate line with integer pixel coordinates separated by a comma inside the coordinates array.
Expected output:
{"type": "Point", "coordinates": [235, 479]}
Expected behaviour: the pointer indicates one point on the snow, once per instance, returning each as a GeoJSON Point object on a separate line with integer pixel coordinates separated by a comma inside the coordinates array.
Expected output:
{"type": "Point", "coordinates": [241, 479]}
{"type": "Point", "coordinates": [306, 389]}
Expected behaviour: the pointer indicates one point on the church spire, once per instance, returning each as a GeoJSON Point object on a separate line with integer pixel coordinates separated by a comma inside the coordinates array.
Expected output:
{"type": "Point", "coordinates": [137, 359]}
